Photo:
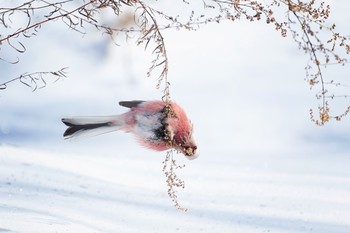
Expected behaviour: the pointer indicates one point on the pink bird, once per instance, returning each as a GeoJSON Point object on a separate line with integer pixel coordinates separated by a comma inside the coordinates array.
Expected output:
{"type": "Point", "coordinates": [156, 125]}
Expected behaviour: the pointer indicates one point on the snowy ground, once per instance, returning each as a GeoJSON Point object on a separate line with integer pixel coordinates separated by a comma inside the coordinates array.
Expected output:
{"type": "Point", "coordinates": [60, 192]}
{"type": "Point", "coordinates": [263, 167]}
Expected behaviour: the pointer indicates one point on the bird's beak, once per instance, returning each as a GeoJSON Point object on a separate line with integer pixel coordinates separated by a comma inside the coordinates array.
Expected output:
{"type": "Point", "coordinates": [192, 157]}
{"type": "Point", "coordinates": [191, 152]}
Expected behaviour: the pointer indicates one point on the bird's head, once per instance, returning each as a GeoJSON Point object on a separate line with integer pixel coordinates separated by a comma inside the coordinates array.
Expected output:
{"type": "Point", "coordinates": [181, 132]}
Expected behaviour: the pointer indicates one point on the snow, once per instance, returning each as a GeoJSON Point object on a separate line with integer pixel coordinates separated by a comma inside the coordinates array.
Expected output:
{"type": "Point", "coordinates": [263, 166]}
{"type": "Point", "coordinates": [44, 191]}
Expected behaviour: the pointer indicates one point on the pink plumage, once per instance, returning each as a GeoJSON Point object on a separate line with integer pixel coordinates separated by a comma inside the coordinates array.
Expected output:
{"type": "Point", "coordinates": [156, 125]}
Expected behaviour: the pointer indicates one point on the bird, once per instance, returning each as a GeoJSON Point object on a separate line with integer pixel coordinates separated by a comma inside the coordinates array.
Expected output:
{"type": "Point", "coordinates": [158, 125]}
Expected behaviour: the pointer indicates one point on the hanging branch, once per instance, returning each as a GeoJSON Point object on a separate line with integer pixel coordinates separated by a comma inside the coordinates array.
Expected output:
{"type": "Point", "coordinates": [36, 80]}
{"type": "Point", "coordinates": [151, 32]}
{"type": "Point", "coordinates": [311, 20]}
{"type": "Point", "coordinates": [172, 180]}
{"type": "Point", "coordinates": [49, 18]}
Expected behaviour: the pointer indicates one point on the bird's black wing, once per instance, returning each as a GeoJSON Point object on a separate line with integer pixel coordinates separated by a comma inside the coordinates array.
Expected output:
{"type": "Point", "coordinates": [130, 104]}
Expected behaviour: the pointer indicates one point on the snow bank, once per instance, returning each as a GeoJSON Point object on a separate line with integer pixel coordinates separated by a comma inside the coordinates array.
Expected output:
{"type": "Point", "coordinates": [59, 192]}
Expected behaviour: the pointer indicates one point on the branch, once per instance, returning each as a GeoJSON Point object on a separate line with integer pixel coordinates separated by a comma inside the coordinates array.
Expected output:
{"type": "Point", "coordinates": [32, 79]}
{"type": "Point", "coordinates": [324, 113]}
{"type": "Point", "coordinates": [154, 32]}
{"type": "Point", "coordinates": [172, 180]}
{"type": "Point", "coordinates": [36, 25]}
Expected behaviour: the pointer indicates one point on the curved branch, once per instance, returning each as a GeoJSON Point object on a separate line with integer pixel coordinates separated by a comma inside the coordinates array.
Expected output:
{"type": "Point", "coordinates": [17, 33]}
{"type": "Point", "coordinates": [313, 53]}
{"type": "Point", "coordinates": [34, 78]}
{"type": "Point", "coordinates": [160, 50]}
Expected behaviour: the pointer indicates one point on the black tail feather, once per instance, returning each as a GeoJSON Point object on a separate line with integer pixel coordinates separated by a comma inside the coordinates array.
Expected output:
{"type": "Point", "coordinates": [74, 128]}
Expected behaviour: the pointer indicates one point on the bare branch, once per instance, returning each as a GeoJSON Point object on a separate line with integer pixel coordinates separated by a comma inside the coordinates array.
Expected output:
{"type": "Point", "coordinates": [153, 32]}
{"type": "Point", "coordinates": [36, 80]}
{"type": "Point", "coordinates": [172, 180]}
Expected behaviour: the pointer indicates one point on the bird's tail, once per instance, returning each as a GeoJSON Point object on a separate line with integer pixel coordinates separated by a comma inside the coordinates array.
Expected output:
{"type": "Point", "coordinates": [91, 126]}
